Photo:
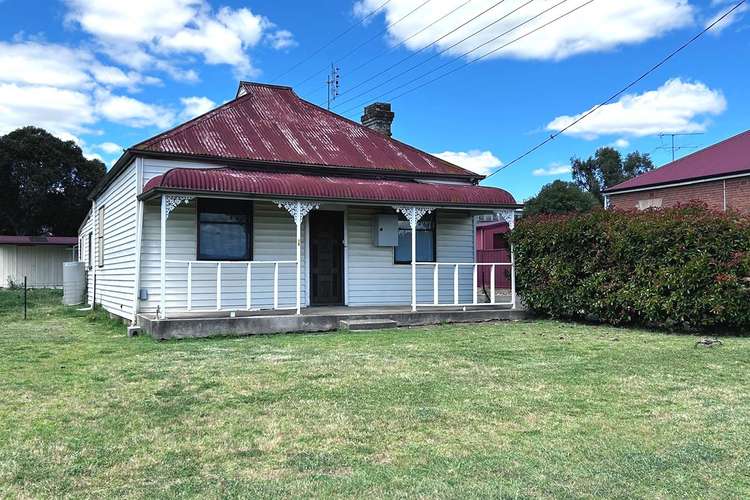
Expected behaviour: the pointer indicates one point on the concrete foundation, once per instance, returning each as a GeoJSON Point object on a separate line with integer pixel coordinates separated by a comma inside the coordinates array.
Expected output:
{"type": "Point", "coordinates": [312, 320]}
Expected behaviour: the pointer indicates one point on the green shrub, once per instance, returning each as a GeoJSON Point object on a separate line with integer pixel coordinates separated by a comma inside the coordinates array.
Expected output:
{"type": "Point", "coordinates": [686, 267]}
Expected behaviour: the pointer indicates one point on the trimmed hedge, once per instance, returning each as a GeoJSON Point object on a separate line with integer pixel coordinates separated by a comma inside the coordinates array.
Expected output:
{"type": "Point", "coordinates": [684, 267]}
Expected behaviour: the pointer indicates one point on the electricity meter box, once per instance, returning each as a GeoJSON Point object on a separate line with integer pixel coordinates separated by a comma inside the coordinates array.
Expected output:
{"type": "Point", "coordinates": [385, 230]}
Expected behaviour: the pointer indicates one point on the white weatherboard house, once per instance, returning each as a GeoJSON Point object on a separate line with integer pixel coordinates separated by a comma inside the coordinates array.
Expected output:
{"type": "Point", "coordinates": [271, 214]}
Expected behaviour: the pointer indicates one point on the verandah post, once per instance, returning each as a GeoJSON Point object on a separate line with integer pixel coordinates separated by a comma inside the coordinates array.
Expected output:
{"type": "Point", "coordinates": [510, 218]}
{"type": "Point", "coordinates": [298, 209]}
{"type": "Point", "coordinates": [413, 224]}
{"type": "Point", "coordinates": [298, 221]}
{"type": "Point", "coordinates": [163, 251]}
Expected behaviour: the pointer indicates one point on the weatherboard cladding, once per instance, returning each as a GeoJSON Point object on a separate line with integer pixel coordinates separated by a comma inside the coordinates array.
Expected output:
{"type": "Point", "coordinates": [731, 156]}
{"type": "Point", "coordinates": [272, 124]}
{"type": "Point", "coordinates": [262, 183]}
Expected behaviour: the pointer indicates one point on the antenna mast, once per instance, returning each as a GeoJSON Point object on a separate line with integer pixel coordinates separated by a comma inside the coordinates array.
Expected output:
{"type": "Point", "coordinates": [673, 147]}
{"type": "Point", "coordinates": [333, 84]}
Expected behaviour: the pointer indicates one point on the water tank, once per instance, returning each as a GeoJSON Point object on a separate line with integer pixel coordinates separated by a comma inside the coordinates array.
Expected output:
{"type": "Point", "coordinates": [74, 283]}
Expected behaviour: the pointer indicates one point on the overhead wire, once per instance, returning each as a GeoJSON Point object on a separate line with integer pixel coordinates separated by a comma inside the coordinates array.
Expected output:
{"type": "Point", "coordinates": [494, 39]}
{"type": "Point", "coordinates": [627, 87]}
{"type": "Point", "coordinates": [401, 43]}
{"type": "Point", "coordinates": [332, 40]}
{"type": "Point", "coordinates": [356, 48]}
{"type": "Point", "coordinates": [422, 49]}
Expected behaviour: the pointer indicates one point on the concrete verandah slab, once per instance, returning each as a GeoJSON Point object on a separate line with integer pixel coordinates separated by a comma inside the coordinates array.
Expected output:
{"type": "Point", "coordinates": [313, 319]}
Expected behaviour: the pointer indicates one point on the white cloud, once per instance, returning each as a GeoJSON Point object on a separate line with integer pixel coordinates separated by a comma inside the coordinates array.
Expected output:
{"type": "Point", "coordinates": [63, 112]}
{"type": "Point", "coordinates": [723, 6]}
{"type": "Point", "coordinates": [481, 162]}
{"type": "Point", "coordinates": [194, 106]}
{"type": "Point", "coordinates": [109, 147]}
{"type": "Point", "coordinates": [281, 40]}
{"type": "Point", "coordinates": [677, 106]}
{"type": "Point", "coordinates": [599, 26]}
{"type": "Point", "coordinates": [554, 169]}
{"type": "Point", "coordinates": [621, 143]}
{"type": "Point", "coordinates": [140, 33]}
{"type": "Point", "coordinates": [132, 112]}
{"type": "Point", "coordinates": [35, 63]}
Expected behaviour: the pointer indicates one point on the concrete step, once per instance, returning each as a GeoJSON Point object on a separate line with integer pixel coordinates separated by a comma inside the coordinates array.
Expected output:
{"type": "Point", "coordinates": [366, 324]}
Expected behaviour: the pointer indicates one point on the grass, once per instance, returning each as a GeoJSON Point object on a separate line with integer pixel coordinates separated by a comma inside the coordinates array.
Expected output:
{"type": "Point", "coordinates": [527, 409]}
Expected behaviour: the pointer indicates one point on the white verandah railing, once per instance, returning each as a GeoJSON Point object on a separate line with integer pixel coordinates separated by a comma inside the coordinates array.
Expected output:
{"type": "Point", "coordinates": [248, 265]}
{"type": "Point", "coordinates": [474, 289]}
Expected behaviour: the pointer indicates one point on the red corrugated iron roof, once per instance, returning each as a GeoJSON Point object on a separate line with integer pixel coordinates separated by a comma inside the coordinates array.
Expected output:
{"type": "Point", "coordinates": [731, 156]}
{"type": "Point", "coordinates": [39, 240]}
{"type": "Point", "coordinates": [313, 187]}
{"type": "Point", "coordinates": [270, 123]}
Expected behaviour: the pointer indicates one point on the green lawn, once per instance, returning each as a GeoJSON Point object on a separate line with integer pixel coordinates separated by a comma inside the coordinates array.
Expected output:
{"type": "Point", "coordinates": [527, 409]}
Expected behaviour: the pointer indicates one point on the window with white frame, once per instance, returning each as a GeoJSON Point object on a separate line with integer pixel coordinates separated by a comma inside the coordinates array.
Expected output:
{"type": "Point", "coordinates": [100, 238]}
{"type": "Point", "coordinates": [426, 240]}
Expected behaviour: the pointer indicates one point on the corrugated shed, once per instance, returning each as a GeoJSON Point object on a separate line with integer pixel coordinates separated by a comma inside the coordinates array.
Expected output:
{"type": "Point", "coordinates": [262, 183]}
{"type": "Point", "coordinates": [272, 124]}
{"type": "Point", "coordinates": [731, 156]}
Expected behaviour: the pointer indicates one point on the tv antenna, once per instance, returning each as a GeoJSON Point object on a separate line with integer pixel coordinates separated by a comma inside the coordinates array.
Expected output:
{"type": "Point", "coordinates": [673, 135]}
{"type": "Point", "coordinates": [333, 84]}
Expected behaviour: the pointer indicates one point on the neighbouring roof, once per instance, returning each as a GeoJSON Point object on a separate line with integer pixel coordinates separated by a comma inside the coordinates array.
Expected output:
{"type": "Point", "coordinates": [270, 123]}
{"type": "Point", "coordinates": [39, 240]}
{"type": "Point", "coordinates": [315, 187]}
{"type": "Point", "coordinates": [728, 157]}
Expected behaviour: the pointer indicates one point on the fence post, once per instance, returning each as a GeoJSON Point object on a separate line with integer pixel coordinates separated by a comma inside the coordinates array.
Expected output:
{"type": "Point", "coordinates": [24, 297]}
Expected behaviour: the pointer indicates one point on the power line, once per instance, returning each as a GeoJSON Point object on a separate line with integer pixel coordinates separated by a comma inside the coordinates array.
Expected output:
{"type": "Point", "coordinates": [623, 90]}
{"type": "Point", "coordinates": [352, 51]}
{"type": "Point", "coordinates": [402, 42]}
{"type": "Point", "coordinates": [423, 48]}
{"type": "Point", "coordinates": [475, 49]}
{"type": "Point", "coordinates": [332, 40]}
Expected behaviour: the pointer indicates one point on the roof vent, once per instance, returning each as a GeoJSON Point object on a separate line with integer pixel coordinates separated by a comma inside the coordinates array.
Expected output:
{"type": "Point", "coordinates": [378, 116]}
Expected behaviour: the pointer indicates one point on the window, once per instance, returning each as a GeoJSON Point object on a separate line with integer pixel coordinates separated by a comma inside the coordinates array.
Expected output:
{"type": "Point", "coordinates": [88, 251]}
{"type": "Point", "coordinates": [425, 240]}
{"type": "Point", "coordinates": [650, 203]}
{"type": "Point", "coordinates": [224, 230]}
{"type": "Point", "coordinates": [100, 238]}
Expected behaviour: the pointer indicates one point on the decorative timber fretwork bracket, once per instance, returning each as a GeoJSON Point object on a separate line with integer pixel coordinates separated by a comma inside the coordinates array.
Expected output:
{"type": "Point", "coordinates": [172, 201]}
{"type": "Point", "coordinates": [509, 216]}
{"type": "Point", "coordinates": [297, 208]}
{"type": "Point", "coordinates": [413, 214]}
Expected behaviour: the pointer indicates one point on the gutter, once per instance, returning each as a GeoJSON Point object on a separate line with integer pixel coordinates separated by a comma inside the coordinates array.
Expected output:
{"type": "Point", "coordinates": [152, 193]}
{"type": "Point", "coordinates": [666, 185]}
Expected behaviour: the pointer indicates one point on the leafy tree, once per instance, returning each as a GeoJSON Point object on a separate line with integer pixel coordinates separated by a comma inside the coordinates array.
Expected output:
{"type": "Point", "coordinates": [607, 168]}
{"type": "Point", "coordinates": [44, 182]}
{"type": "Point", "coordinates": [560, 197]}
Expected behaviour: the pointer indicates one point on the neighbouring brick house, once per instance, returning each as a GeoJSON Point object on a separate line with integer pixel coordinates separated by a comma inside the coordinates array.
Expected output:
{"type": "Point", "coordinates": [718, 175]}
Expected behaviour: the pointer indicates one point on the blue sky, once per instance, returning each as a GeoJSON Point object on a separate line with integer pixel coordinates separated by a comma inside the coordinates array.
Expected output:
{"type": "Point", "coordinates": [110, 74]}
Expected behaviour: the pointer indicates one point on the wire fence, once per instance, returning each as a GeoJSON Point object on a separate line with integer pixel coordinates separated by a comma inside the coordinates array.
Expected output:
{"type": "Point", "coordinates": [21, 300]}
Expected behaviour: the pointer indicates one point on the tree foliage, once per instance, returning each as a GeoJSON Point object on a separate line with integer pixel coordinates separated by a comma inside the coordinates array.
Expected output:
{"type": "Point", "coordinates": [44, 182]}
{"type": "Point", "coordinates": [607, 168]}
{"type": "Point", "coordinates": [685, 267]}
{"type": "Point", "coordinates": [560, 197]}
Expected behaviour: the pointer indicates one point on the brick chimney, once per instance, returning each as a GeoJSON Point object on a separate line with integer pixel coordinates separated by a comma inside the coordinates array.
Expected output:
{"type": "Point", "coordinates": [378, 116]}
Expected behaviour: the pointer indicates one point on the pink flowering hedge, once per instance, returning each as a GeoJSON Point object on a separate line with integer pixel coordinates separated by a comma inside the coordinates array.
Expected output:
{"type": "Point", "coordinates": [680, 268]}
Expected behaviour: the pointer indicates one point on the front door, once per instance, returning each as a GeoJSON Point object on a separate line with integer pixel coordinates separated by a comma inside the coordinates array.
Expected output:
{"type": "Point", "coordinates": [326, 258]}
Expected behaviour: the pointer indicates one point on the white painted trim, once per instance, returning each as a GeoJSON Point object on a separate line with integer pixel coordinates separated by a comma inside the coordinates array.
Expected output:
{"type": "Point", "coordinates": [138, 236]}
{"type": "Point", "coordinates": [307, 261]}
{"type": "Point", "coordinates": [677, 184]}
{"type": "Point", "coordinates": [346, 256]}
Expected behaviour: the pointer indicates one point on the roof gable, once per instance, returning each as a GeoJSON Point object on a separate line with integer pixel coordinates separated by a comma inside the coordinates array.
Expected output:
{"type": "Point", "coordinates": [730, 156]}
{"type": "Point", "coordinates": [270, 123]}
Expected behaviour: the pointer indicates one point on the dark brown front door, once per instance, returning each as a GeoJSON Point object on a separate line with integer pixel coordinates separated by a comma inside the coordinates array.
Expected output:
{"type": "Point", "coordinates": [326, 258]}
